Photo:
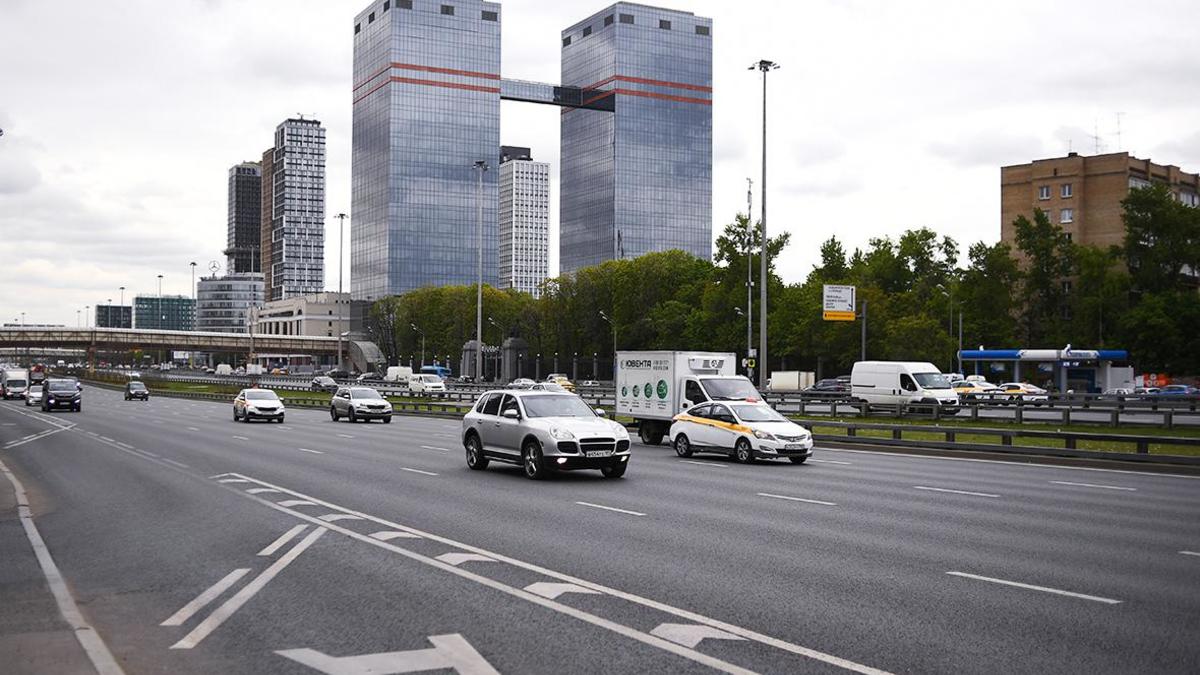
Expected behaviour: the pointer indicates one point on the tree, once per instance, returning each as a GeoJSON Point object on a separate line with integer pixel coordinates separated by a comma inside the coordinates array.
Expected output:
{"type": "Point", "coordinates": [1162, 239]}
{"type": "Point", "coordinates": [986, 292]}
{"type": "Point", "coordinates": [1100, 290]}
{"type": "Point", "coordinates": [1049, 260]}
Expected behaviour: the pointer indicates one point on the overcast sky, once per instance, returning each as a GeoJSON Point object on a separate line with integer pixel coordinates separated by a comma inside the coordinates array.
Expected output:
{"type": "Point", "coordinates": [121, 118]}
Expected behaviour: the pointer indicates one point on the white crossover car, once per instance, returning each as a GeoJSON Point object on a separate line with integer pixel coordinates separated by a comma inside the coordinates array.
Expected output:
{"type": "Point", "coordinates": [747, 431]}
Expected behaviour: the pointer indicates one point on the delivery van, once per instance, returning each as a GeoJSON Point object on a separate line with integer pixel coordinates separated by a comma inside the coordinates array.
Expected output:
{"type": "Point", "coordinates": [903, 383]}
{"type": "Point", "coordinates": [14, 383]}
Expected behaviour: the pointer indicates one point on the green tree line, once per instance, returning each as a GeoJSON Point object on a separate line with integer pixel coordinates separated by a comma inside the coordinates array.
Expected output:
{"type": "Point", "coordinates": [1043, 292]}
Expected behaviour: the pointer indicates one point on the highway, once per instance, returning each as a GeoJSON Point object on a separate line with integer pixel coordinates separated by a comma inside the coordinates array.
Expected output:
{"type": "Point", "coordinates": [191, 544]}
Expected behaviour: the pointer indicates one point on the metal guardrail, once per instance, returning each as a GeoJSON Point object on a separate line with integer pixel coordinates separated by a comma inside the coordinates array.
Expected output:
{"type": "Point", "coordinates": [1071, 440]}
{"type": "Point", "coordinates": [1166, 417]}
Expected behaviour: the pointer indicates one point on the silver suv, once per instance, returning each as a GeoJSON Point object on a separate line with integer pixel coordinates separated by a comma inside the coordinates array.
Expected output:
{"type": "Point", "coordinates": [359, 403]}
{"type": "Point", "coordinates": [543, 431]}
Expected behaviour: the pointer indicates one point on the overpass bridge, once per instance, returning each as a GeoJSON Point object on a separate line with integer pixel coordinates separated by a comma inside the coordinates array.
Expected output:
{"type": "Point", "coordinates": [129, 339]}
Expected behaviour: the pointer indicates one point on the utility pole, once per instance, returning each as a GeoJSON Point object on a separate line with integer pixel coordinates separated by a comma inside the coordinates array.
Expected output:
{"type": "Point", "coordinates": [414, 327]}
{"type": "Point", "coordinates": [480, 166]}
{"type": "Point", "coordinates": [191, 352]}
{"type": "Point", "coordinates": [341, 317]}
{"type": "Point", "coordinates": [863, 353]}
{"type": "Point", "coordinates": [161, 317]}
{"type": "Point", "coordinates": [765, 67]}
{"type": "Point", "coordinates": [749, 272]}
{"type": "Point", "coordinates": [960, 366]}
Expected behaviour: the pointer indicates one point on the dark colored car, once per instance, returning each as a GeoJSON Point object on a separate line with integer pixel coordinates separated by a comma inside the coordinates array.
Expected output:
{"type": "Point", "coordinates": [1176, 391]}
{"type": "Point", "coordinates": [831, 386]}
{"type": "Point", "coordinates": [324, 383]}
{"type": "Point", "coordinates": [137, 390]}
{"type": "Point", "coordinates": [59, 393]}
{"type": "Point", "coordinates": [334, 372]}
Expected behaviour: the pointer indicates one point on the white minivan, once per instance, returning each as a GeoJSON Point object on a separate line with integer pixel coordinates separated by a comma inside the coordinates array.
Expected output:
{"type": "Point", "coordinates": [902, 382]}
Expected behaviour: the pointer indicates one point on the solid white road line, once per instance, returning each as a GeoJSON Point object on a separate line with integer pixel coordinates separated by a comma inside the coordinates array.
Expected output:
{"type": "Point", "coordinates": [255, 491]}
{"type": "Point", "coordinates": [98, 653]}
{"type": "Point", "coordinates": [178, 464]}
{"type": "Point", "coordinates": [434, 447]}
{"type": "Point", "coordinates": [1044, 589]}
{"type": "Point", "coordinates": [212, 593]}
{"type": "Point", "coordinates": [1094, 485]}
{"type": "Point", "coordinates": [282, 540]}
{"type": "Point", "coordinates": [610, 508]}
{"type": "Point", "coordinates": [218, 617]}
{"type": "Point", "coordinates": [711, 465]}
{"type": "Point", "coordinates": [457, 559]}
{"type": "Point", "coordinates": [796, 499]}
{"type": "Point", "coordinates": [828, 461]}
{"type": "Point", "coordinates": [315, 452]}
{"type": "Point", "coordinates": [425, 473]}
{"type": "Point", "coordinates": [296, 502]}
{"type": "Point", "coordinates": [1012, 463]}
{"type": "Point", "coordinates": [1190, 553]}
{"type": "Point", "coordinates": [954, 492]}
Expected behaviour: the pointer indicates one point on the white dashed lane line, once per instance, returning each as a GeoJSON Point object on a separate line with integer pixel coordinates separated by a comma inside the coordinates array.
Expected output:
{"type": "Point", "coordinates": [1031, 587]}
{"type": "Point", "coordinates": [1094, 485]}
{"type": "Point", "coordinates": [796, 499]}
{"type": "Point", "coordinates": [610, 508]}
{"type": "Point", "coordinates": [955, 492]}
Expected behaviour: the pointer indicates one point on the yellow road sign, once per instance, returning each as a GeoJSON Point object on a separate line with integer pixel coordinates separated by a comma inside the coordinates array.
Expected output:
{"type": "Point", "coordinates": [830, 315]}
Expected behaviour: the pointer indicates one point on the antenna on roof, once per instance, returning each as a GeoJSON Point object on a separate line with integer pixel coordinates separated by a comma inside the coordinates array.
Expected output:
{"type": "Point", "coordinates": [1119, 145]}
{"type": "Point", "coordinates": [1095, 136]}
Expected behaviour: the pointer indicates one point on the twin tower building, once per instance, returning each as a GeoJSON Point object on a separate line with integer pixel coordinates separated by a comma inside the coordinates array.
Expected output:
{"type": "Point", "coordinates": [635, 100]}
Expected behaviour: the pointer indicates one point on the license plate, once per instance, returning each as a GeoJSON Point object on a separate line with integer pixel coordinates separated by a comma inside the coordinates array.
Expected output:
{"type": "Point", "coordinates": [793, 446]}
{"type": "Point", "coordinates": [599, 453]}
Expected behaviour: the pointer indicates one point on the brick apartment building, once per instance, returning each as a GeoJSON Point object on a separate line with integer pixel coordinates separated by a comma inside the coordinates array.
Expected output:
{"type": "Point", "coordinates": [1083, 194]}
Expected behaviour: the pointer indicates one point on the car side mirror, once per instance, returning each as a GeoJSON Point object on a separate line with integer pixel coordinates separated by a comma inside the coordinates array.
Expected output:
{"type": "Point", "coordinates": [601, 413]}
{"type": "Point", "coordinates": [511, 414]}
{"type": "Point", "coordinates": [685, 404]}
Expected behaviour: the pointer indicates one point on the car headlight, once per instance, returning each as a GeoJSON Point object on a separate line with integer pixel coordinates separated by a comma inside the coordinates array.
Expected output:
{"type": "Point", "coordinates": [766, 436]}
{"type": "Point", "coordinates": [560, 434]}
{"type": "Point", "coordinates": [52, 400]}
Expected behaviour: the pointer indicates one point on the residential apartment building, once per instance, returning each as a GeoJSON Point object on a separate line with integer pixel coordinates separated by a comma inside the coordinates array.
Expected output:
{"type": "Point", "coordinates": [114, 316]}
{"type": "Point", "coordinates": [292, 244]}
{"type": "Point", "coordinates": [164, 312]}
{"type": "Point", "coordinates": [245, 219]}
{"type": "Point", "coordinates": [223, 303]}
{"type": "Point", "coordinates": [319, 314]}
{"type": "Point", "coordinates": [524, 220]}
{"type": "Point", "coordinates": [1083, 194]}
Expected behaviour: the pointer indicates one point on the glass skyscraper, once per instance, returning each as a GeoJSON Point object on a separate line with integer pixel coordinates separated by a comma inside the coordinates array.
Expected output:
{"type": "Point", "coordinates": [640, 179]}
{"type": "Point", "coordinates": [426, 107]}
{"type": "Point", "coordinates": [245, 218]}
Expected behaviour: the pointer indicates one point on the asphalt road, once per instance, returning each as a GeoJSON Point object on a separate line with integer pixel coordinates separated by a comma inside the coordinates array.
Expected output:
{"type": "Point", "coordinates": [196, 545]}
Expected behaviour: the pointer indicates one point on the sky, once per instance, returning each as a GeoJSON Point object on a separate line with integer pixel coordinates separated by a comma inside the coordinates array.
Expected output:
{"type": "Point", "coordinates": [122, 118]}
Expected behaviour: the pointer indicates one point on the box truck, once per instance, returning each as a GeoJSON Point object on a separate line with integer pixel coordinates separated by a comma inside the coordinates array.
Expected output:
{"type": "Point", "coordinates": [655, 386]}
{"type": "Point", "coordinates": [398, 374]}
{"type": "Point", "coordinates": [790, 380]}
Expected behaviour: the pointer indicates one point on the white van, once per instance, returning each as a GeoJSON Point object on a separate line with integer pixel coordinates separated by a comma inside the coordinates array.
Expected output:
{"type": "Point", "coordinates": [14, 383]}
{"type": "Point", "coordinates": [398, 374]}
{"type": "Point", "coordinates": [425, 383]}
{"type": "Point", "coordinates": [901, 382]}
{"type": "Point", "coordinates": [224, 369]}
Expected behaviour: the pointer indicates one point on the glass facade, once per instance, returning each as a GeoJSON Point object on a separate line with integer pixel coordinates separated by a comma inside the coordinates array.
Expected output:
{"type": "Point", "coordinates": [524, 224]}
{"type": "Point", "coordinates": [223, 303]}
{"type": "Point", "coordinates": [167, 312]}
{"type": "Point", "coordinates": [295, 252]}
{"type": "Point", "coordinates": [640, 179]}
{"type": "Point", "coordinates": [426, 107]}
{"type": "Point", "coordinates": [245, 218]}
{"type": "Point", "coordinates": [114, 316]}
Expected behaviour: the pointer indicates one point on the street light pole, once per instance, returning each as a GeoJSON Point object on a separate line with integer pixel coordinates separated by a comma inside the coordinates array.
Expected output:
{"type": "Point", "coordinates": [480, 166]}
{"type": "Point", "coordinates": [765, 67]}
{"type": "Point", "coordinates": [614, 332]}
{"type": "Point", "coordinates": [749, 272]}
{"type": "Point", "coordinates": [414, 327]}
{"type": "Point", "coordinates": [341, 317]}
{"type": "Point", "coordinates": [161, 317]}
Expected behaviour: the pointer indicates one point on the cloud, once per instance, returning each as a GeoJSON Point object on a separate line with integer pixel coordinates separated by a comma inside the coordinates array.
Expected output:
{"type": "Point", "coordinates": [988, 147]}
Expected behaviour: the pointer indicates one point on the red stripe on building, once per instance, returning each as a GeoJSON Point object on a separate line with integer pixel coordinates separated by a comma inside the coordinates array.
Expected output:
{"type": "Point", "coordinates": [428, 69]}
{"type": "Point", "coordinates": [665, 97]}
{"type": "Point", "coordinates": [655, 83]}
{"type": "Point", "coordinates": [430, 83]}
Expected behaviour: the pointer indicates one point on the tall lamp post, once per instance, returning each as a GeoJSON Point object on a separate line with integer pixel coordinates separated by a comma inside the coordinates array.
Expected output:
{"type": "Point", "coordinates": [765, 67]}
{"type": "Point", "coordinates": [749, 272]}
{"type": "Point", "coordinates": [480, 166]}
{"type": "Point", "coordinates": [414, 327]}
{"type": "Point", "coordinates": [162, 319]}
{"type": "Point", "coordinates": [192, 353]}
{"type": "Point", "coordinates": [613, 324]}
{"type": "Point", "coordinates": [121, 311]}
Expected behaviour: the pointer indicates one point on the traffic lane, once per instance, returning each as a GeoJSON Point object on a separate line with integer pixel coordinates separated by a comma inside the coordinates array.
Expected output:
{"type": "Point", "coordinates": [136, 560]}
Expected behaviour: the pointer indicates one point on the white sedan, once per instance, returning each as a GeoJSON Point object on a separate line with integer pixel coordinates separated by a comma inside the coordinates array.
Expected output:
{"type": "Point", "coordinates": [747, 431]}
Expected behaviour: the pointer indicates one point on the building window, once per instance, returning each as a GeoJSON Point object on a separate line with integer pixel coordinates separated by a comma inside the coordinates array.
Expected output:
{"type": "Point", "coordinates": [387, 4]}
{"type": "Point", "coordinates": [404, 4]}
{"type": "Point", "coordinates": [1067, 216]}
{"type": "Point", "coordinates": [626, 18]}
{"type": "Point", "coordinates": [1069, 236]}
{"type": "Point", "coordinates": [1044, 192]}
{"type": "Point", "coordinates": [1065, 191]}
{"type": "Point", "coordinates": [448, 10]}
{"type": "Point", "coordinates": [490, 16]}
{"type": "Point", "coordinates": [587, 31]}
{"type": "Point", "coordinates": [567, 41]}
{"type": "Point", "coordinates": [357, 28]}
{"type": "Point", "coordinates": [608, 20]}
{"type": "Point", "coordinates": [664, 24]}
{"type": "Point", "coordinates": [371, 17]}
{"type": "Point", "coordinates": [701, 30]}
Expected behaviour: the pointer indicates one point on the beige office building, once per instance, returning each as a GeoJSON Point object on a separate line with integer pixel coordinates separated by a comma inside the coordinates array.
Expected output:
{"type": "Point", "coordinates": [318, 314]}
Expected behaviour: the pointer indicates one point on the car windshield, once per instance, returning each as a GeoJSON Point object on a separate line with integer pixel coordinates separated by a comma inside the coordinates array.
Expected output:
{"type": "Point", "coordinates": [733, 389]}
{"type": "Point", "coordinates": [431, 378]}
{"type": "Point", "coordinates": [557, 406]}
{"type": "Point", "coordinates": [16, 383]}
{"type": "Point", "coordinates": [931, 380]}
{"type": "Point", "coordinates": [261, 396]}
{"type": "Point", "coordinates": [324, 380]}
{"type": "Point", "coordinates": [136, 386]}
{"type": "Point", "coordinates": [758, 413]}
{"type": "Point", "coordinates": [62, 385]}
{"type": "Point", "coordinates": [364, 392]}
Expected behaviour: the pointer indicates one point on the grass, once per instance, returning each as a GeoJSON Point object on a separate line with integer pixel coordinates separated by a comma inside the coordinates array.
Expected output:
{"type": "Point", "coordinates": [183, 386]}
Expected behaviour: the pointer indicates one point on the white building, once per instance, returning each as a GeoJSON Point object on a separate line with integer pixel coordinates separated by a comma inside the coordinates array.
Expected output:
{"type": "Point", "coordinates": [320, 314]}
{"type": "Point", "coordinates": [524, 220]}
{"type": "Point", "coordinates": [223, 303]}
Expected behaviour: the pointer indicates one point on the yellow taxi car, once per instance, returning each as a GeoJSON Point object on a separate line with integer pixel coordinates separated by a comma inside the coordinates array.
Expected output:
{"type": "Point", "coordinates": [974, 389]}
{"type": "Point", "coordinates": [746, 430]}
{"type": "Point", "coordinates": [561, 380]}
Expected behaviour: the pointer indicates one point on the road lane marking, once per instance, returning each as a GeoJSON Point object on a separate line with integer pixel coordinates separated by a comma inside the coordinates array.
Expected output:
{"type": "Point", "coordinates": [106, 438]}
{"type": "Point", "coordinates": [711, 465]}
{"type": "Point", "coordinates": [954, 492]}
{"type": "Point", "coordinates": [690, 635]}
{"type": "Point", "coordinates": [222, 613]}
{"type": "Point", "coordinates": [592, 619]}
{"type": "Point", "coordinates": [125, 445]}
{"type": "Point", "coordinates": [1011, 463]}
{"type": "Point", "coordinates": [178, 464]}
{"type": "Point", "coordinates": [211, 593]}
{"type": "Point", "coordinates": [296, 502]}
{"type": "Point", "coordinates": [424, 473]}
{"type": "Point", "coordinates": [241, 438]}
{"type": "Point", "coordinates": [796, 499]}
{"type": "Point", "coordinates": [345, 435]}
{"type": "Point", "coordinates": [315, 452]}
{"type": "Point", "coordinates": [331, 517]}
{"type": "Point", "coordinates": [828, 461]}
{"type": "Point", "coordinates": [457, 559]}
{"type": "Point", "coordinates": [551, 590]}
{"type": "Point", "coordinates": [434, 447]}
{"type": "Point", "coordinates": [1190, 553]}
{"type": "Point", "coordinates": [449, 652]}
{"type": "Point", "coordinates": [1094, 485]}
{"type": "Point", "coordinates": [233, 480]}
{"type": "Point", "coordinates": [91, 642]}
{"type": "Point", "coordinates": [258, 491]}
{"type": "Point", "coordinates": [1044, 589]}
{"type": "Point", "coordinates": [282, 540]}
{"type": "Point", "coordinates": [610, 508]}
{"type": "Point", "coordinates": [192, 429]}
{"type": "Point", "coordinates": [388, 535]}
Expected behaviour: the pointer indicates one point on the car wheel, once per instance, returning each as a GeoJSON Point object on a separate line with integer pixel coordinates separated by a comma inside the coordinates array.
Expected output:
{"type": "Point", "coordinates": [476, 461]}
{"type": "Point", "coordinates": [531, 459]}
{"type": "Point", "coordinates": [743, 452]}
{"type": "Point", "coordinates": [614, 471]}
{"type": "Point", "coordinates": [352, 416]}
{"type": "Point", "coordinates": [387, 420]}
{"type": "Point", "coordinates": [281, 419]}
{"type": "Point", "coordinates": [235, 415]}
{"type": "Point", "coordinates": [333, 413]}
{"type": "Point", "coordinates": [78, 408]}
{"type": "Point", "coordinates": [798, 460]}
{"type": "Point", "coordinates": [683, 447]}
